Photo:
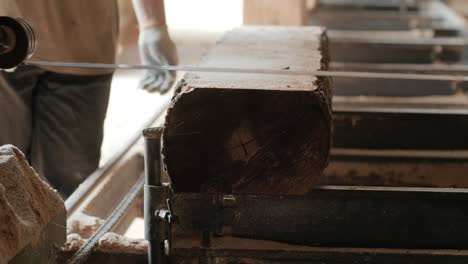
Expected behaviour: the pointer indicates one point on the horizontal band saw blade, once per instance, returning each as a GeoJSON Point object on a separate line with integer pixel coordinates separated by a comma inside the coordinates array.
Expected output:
{"type": "Point", "coordinates": [283, 71]}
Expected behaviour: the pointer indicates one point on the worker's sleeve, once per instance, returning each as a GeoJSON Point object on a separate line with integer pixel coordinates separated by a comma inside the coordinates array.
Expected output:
{"type": "Point", "coordinates": [149, 13]}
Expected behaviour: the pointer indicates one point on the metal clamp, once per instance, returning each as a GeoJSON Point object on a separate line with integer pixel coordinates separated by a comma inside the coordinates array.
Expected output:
{"type": "Point", "coordinates": [158, 207]}
{"type": "Point", "coordinates": [167, 215]}
{"type": "Point", "coordinates": [166, 218]}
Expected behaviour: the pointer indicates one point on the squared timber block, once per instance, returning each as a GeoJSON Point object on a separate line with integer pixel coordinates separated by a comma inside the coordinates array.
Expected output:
{"type": "Point", "coordinates": [252, 133]}
{"type": "Point", "coordinates": [392, 87]}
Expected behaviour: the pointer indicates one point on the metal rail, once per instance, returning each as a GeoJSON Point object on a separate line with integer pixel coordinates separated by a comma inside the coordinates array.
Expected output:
{"type": "Point", "coordinates": [86, 249]}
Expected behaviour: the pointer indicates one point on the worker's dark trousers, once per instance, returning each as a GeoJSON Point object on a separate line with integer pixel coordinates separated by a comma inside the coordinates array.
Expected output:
{"type": "Point", "coordinates": [57, 121]}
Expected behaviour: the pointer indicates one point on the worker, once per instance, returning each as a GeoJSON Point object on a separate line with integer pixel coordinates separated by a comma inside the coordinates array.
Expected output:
{"type": "Point", "coordinates": [61, 129]}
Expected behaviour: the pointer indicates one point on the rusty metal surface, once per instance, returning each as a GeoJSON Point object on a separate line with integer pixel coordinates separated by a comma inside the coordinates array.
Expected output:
{"type": "Point", "coordinates": [337, 216]}
{"type": "Point", "coordinates": [315, 255]}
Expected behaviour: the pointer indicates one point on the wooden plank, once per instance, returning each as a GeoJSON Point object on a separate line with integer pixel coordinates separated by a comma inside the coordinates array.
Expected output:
{"type": "Point", "coordinates": [385, 15]}
{"type": "Point", "coordinates": [275, 12]}
{"type": "Point", "coordinates": [429, 68]}
{"type": "Point", "coordinates": [337, 216]}
{"type": "Point", "coordinates": [391, 173]}
{"type": "Point", "coordinates": [452, 24]}
{"type": "Point", "coordinates": [345, 86]}
{"type": "Point", "coordinates": [404, 129]}
{"type": "Point", "coordinates": [430, 103]}
{"type": "Point", "coordinates": [390, 5]}
{"type": "Point", "coordinates": [345, 19]}
{"type": "Point", "coordinates": [382, 48]}
{"type": "Point", "coordinates": [106, 194]}
{"type": "Point", "coordinates": [135, 210]}
{"type": "Point", "coordinates": [224, 132]}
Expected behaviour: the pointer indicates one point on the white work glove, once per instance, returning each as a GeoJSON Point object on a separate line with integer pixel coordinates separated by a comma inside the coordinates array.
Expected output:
{"type": "Point", "coordinates": [157, 48]}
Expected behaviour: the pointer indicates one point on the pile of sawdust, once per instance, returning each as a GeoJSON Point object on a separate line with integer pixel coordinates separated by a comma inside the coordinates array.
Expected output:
{"type": "Point", "coordinates": [109, 243]}
{"type": "Point", "coordinates": [112, 242]}
{"type": "Point", "coordinates": [27, 203]}
{"type": "Point", "coordinates": [84, 225]}
{"type": "Point", "coordinates": [74, 242]}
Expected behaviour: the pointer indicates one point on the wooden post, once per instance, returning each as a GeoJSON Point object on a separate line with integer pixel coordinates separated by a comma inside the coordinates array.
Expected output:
{"type": "Point", "coordinates": [275, 12]}
{"type": "Point", "coordinates": [252, 133]}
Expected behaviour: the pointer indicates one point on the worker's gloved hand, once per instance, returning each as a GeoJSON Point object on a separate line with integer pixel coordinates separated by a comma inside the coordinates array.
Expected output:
{"type": "Point", "coordinates": [157, 48]}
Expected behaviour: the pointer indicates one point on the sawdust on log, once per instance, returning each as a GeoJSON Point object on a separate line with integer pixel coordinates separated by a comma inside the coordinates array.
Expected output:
{"type": "Point", "coordinates": [27, 203]}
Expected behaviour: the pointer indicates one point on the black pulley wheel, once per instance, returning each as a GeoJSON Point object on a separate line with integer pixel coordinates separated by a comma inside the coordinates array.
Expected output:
{"type": "Point", "coordinates": [17, 40]}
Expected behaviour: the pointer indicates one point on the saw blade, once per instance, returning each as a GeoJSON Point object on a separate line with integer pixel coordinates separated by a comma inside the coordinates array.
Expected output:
{"type": "Point", "coordinates": [284, 71]}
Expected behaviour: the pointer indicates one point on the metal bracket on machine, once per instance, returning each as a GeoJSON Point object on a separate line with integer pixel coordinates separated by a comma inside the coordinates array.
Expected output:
{"type": "Point", "coordinates": [158, 209]}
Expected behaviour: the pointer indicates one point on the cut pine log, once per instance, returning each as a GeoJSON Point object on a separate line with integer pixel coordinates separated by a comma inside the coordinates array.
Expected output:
{"type": "Point", "coordinates": [252, 133]}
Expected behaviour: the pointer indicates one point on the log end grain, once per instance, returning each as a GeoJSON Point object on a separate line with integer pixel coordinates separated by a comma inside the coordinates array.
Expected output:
{"type": "Point", "coordinates": [252, 133]}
